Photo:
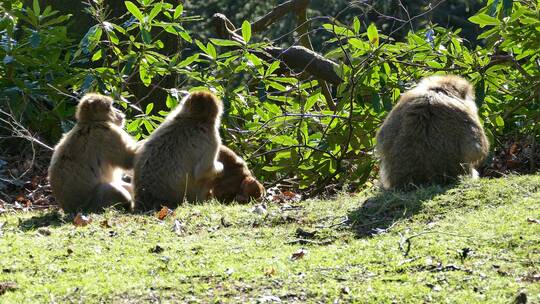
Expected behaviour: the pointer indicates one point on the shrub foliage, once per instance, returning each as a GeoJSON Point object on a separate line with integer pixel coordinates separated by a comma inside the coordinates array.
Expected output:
{"type": "Point", "coordinates": [281, 120]}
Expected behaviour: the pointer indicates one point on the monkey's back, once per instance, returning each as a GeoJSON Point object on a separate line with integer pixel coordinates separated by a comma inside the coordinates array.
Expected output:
{"type": "Point", "coordinates": [422, 139]}
{"type": "Point", "coordinates": [77, 167]}
{"type": "Point", "coordinates": [165, 165]}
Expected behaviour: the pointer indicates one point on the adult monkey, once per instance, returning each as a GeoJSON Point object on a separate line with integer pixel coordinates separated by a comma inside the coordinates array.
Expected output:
{"type": "Point", "coordinates": [432, 135]}
{"type": "Point", "coordinates": [88, 162]}
{"type": "Point", "coordinates": [178, 161]}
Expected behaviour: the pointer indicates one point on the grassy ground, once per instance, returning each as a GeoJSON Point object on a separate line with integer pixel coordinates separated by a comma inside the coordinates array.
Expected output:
{"type": "Point", "coordinates": [477, 242]}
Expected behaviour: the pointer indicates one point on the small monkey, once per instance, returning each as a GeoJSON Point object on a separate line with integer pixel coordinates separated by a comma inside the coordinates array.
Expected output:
{"type": "Point", "coordinates": [178, 161]}
{"type": "Point", "coordinates": [236, 183]}
{"type": "Point", "coordinates": [432, 135]}
{"type": "Point", "coordinates": [86, 166]}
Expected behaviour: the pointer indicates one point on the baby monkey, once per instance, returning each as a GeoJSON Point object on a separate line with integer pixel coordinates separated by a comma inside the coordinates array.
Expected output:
{"type": "Point", "coordinates": [236, 183]}
{"type": "Point", "coordinates": [432, 135]}
{"type": "Point", "coordinates": [86, 166]}
{"type": "Point", "coordinates": [178, 161]}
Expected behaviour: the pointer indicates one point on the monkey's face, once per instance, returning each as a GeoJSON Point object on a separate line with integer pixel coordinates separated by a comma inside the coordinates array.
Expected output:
{"type": "Point", "coordinates": [117, 117]}
{"type": "Point", "coordinates": [251, 188]}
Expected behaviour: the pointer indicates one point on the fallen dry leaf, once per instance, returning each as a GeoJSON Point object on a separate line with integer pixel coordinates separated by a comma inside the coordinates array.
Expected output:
{"type": "Point", "coordinates": [163, 213]}
{"type": "Point", "coordinates": [225, 223]}
{"type": "Point", "coordinates": [105, 224]}
{"type": "Point", "coordinates": [44, 231]}
{"type": "Point", "coordinates": [270, 272]}
{"type": "Point", "coordinates": [533, 220]}
{"type": "Point", "coordinates": [178, 227]}
{"type": "Point", "coordinates": [7, 286]}
{"type": "Point", "coordinates": [81, 220]}
{"type": "Point", "coordinates": [286, 197]}
{"type": "Point", "coordinates": [259, 209]}
{"type": "Point", "coordinates": [157, 249]}
{"type": "Point", "coordinates": [269, 299]}
{"type": "Point", "coordinates": [299, 254]}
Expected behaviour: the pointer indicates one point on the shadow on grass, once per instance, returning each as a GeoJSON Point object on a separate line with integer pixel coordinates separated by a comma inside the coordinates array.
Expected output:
{"type": "Point", "coordinates": [49, 219]}
{"type": "Point", "coordinates": [380, 212]}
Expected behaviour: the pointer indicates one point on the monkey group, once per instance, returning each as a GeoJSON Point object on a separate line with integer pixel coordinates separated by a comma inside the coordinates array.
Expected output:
{"type": "Point", "coordinates": [432, 135]}
{"type": "Point", "coordinates": [182, 160]}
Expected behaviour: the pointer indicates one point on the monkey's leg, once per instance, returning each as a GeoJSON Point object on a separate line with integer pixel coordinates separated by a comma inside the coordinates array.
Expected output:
{"type": "Point", "coordinates": [110, 194]}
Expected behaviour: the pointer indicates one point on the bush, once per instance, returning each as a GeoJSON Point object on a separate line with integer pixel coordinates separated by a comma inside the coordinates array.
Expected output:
{"type": "Point", "coordinates": [282, 121]}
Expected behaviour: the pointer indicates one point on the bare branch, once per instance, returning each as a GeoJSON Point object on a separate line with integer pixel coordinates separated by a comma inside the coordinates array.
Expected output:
{"type": "Point", "coordinates": [278, 12]}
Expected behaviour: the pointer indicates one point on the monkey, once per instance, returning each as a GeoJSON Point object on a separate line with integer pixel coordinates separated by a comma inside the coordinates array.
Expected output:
{"type": "Point", "coordinates": [432, 135]}
{"type": "Point", "coordinates": [178, 161]}
{"type": "Point", "coordinates": [87, 163]}
{"type": "Point", "coordinates": [236, 183]}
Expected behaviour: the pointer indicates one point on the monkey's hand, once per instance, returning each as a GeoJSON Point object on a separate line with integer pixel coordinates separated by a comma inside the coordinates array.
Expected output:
{"type": "Point", "coordinates": [218, 168]}
{"type": "Point", "coordinates": [215, 169]}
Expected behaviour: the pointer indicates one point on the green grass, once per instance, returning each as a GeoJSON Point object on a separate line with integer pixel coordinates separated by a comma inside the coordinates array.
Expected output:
{"type": "Point", "coordinates": [476, 242]}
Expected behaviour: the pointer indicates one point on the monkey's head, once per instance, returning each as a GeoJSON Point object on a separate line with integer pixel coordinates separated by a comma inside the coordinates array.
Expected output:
{"type": "Point", "coordinates": [203, 106]}
{"type": "Point", "coordinates": [450, 84]}
{"type": "Point", "coordinates": [250, 188]}
{"type": "Point", "coordinates": [96, 108]}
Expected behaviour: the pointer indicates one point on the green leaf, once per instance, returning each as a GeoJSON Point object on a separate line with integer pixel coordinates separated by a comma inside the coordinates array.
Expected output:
{"type": "Point", "coordinates": [359, 44]}
{"type": "Point", "coordinates": [246, 31]}
{"type": "Point", "coordinates": [185, 36]}
{"type": "Point", "coordinates": [35, 39]}
{"type": "Point", "coordinates": [507, 7]}
{"type": "Point", "coordinates": [223, 42]}
{"type": "Point", "coordinates": [149, 108]}
{"type": "Point", "coordinates": [146, 37]}
{"type": "Point", "coordinates": [483, 20]}
{"type": "Point", "coordinates": [274, 66]}
{"type": "Point", "coordinates": [144, 76]}
{"type": "Point", "coordinates": [211, 50]}
{"type": "Point", "coordinates": [356, 25]}
{"type": "Point", "coordinates": [373, 34]}
{"type": "Point", "coordinates": [312, 100]}
{"type": "Point", "coordinates": [499, 121]}
{"type": "Point", "coordinates": [97, 55]}
{"type": "Point", "coordinates": [178, 11]}
{"type": "Point", "coordinates": [188, 60]}
{"type": "Point", "coordinates": [132, 8]}
{"type": "Point", "coordinates": [492, 11]}
{"type": "Point", "coordinates": [148, 126]}
{"type": "Point", "coordinates": [284, 140]}
{"type": "Point", "coordinates": [36, 7]}
{"type": "Point", "coordinates": [201, 46]}
{"type": "Point", "coordinates": [338, 30]}
{"type": "Point", "coordinates": [155, 11]}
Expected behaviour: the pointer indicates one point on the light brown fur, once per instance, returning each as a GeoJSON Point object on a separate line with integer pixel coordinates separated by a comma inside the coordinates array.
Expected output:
{"type": "Point", "coordinates": [86, 166]}
{"type": "Point", "coordinates": [236, 183]}
{"type": "Point", "coordinates": [178, 161]}
{"type": "Point", "coordinates": [432, 135]}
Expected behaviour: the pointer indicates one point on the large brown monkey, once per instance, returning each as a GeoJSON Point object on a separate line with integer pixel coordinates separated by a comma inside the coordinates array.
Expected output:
{"type": "Point", "coordinates": [178, 161]}
{"type": "Point", "coordinates": [432, 135]}
{"type": "Point", "coordinates": [86, 166]}
{"type": "Point", "coordinates": [236, 183]}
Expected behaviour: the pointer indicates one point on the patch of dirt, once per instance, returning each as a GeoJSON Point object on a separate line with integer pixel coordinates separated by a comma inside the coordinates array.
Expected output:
{"type": "Point", "coordinates": [516, 155]}
{"type": "Point", "coordinates": [24, 185]}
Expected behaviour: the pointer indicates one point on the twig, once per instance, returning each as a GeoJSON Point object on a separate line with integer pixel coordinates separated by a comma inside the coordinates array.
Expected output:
{"type": "Point", "coordinates": [405, 243]}
{"type": "Point", "coordinates": [306, 241]}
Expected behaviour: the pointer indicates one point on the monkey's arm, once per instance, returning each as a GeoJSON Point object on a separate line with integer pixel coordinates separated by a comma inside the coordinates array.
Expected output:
{"type": "Point", "coordinates": [205, 170]}
{"type": "Point", "coordinates": [475, 144]}
{"type": "Point", "coordinates": [122, 149]}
